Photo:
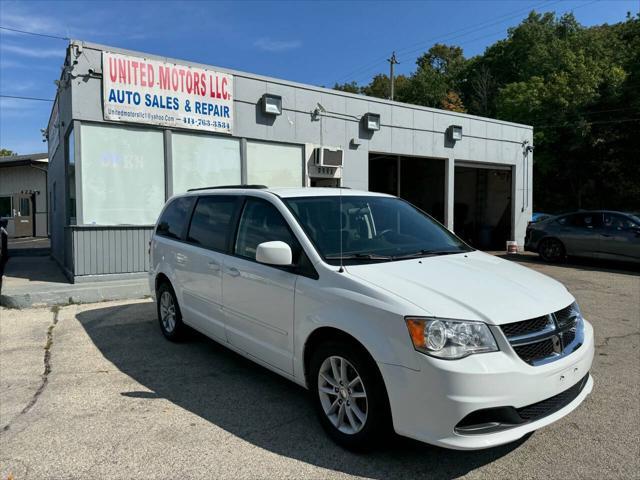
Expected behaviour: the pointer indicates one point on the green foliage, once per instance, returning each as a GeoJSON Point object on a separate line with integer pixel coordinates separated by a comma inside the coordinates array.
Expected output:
{"type": "Point", "coordinates": [579, 87]}
{"type": "Point", "coordinates": [6, 152]}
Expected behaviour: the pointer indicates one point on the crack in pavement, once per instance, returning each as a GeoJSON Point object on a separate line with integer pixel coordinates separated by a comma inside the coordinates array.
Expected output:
{"type": "Point", "coordinates": [605, 342]}
{"type": "Point", "coordinates": [45, 374]}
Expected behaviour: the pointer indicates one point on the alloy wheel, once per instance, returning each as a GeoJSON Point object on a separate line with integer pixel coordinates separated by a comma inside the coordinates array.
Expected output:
{"type": "Point", "coordinates": [342, 395]}
{"type": "Point", "coordinates": [167, 311]}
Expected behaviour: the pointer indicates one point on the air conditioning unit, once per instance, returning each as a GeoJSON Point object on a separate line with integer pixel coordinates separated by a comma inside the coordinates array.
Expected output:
{"type": "Point", "coordinates": [328, 157]}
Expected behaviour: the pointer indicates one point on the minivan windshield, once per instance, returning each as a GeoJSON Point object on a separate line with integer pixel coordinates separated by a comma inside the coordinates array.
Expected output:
{"type": "Point", "coordinates": [364, 229]}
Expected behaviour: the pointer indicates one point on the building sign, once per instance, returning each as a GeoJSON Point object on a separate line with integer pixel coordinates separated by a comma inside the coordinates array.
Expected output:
{"type": "Point", "coordinates": [53, 130]}
{"type": "Point", "coordinates": [147, 91]}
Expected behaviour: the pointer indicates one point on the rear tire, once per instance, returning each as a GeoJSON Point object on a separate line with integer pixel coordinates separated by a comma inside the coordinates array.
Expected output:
{"type": "Point", "coordinates": [169, 315]}
{"type": "Point", "coordinates": [552, 250]}
{"type": "Point", "coordinates": [349, 395]}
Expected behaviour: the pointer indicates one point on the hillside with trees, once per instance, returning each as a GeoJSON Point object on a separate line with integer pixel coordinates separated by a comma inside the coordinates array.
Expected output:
{"type": "Point", "coordinates": [579, 87]}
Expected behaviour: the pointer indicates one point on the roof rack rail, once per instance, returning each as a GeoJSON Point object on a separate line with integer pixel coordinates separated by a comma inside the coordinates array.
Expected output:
{"type": "Point", "coordinates": [219, 187]}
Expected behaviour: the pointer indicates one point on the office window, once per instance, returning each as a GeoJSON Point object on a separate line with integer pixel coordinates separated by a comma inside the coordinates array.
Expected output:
{"type": "Point", "coordinates": [204, 161]}
{"type": "Point", "coordinates": [5, 207]}
{"type": "Point", "coordinates": [122, 175]}
{"type": "Point", "coordinates": [71, 177]}
{"type": "Point", "coordinates": [211, 222]}
{"type": "Point", "coordinates": [274, 165]}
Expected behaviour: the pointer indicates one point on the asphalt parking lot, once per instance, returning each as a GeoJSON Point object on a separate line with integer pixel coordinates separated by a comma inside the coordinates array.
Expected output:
{"type": "Point", "coordinates": [118, 401]}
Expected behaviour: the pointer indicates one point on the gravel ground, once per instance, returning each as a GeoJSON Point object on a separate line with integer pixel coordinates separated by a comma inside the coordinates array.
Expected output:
{"type": "Point", "coordinates": [119, 401]}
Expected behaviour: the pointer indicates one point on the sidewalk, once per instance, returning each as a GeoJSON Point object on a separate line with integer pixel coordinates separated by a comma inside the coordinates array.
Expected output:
{"type": "Point", "coordinates": [35, 281]}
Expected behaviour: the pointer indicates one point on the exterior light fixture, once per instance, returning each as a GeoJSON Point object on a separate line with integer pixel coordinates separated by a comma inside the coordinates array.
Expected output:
{"type": "Point", "coordinates": [371, 121]}
{"type": "Point", "coordinates": [454, 133]}
{"type": "Point", "coordinates": [271, 104]}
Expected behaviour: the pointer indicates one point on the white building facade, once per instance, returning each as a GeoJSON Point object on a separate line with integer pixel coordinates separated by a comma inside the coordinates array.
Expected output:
{"type": "Point", "coordinates": [128, 130]}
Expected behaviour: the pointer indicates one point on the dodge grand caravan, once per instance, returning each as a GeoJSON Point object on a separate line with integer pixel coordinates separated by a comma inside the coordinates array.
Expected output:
{"type": "Point", "coordinates": [389, 319]}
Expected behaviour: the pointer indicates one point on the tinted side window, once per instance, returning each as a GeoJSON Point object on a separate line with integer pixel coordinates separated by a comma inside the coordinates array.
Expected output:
{"type": "Point", "coordinates": [211, 222]}
{"type": "Point", "coordinates": [582, 220]}
{"type": "Point", "coordinates": [174, 218]}
{"type": "Point", "coordinates": [618, 222]}
{"type": "Point", "coordinates": [261, 222]}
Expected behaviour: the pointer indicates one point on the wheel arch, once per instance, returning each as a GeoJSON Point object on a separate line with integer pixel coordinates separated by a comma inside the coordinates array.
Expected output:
{"type": "Point", "coordinates": [324, 334]}
{"type": "Point", "coordinates": [160, 279]}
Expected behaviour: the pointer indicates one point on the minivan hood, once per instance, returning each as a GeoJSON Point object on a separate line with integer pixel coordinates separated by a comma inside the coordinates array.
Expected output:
{"type": "Point", "coordinates": [468, 286]}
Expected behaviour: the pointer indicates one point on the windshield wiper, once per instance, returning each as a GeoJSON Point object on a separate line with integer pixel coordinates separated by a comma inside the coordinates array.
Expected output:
{"type": "Point", "coordinates": [426, 253]}
{"type": "Point", "coordinates": [360, 256]}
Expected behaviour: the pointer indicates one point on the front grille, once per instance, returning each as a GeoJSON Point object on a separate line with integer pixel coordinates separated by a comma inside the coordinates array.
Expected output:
{"type": "Point", "coordinates": [533, 351]}
{"type": "Point", "coordinates": [543, 339]}
{"type": "Point", "coordinates": [527, 326]}
{"type": "Point", "coordinates": [553, 404]}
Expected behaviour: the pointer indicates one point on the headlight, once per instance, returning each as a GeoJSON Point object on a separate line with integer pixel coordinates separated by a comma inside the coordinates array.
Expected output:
{"type": "Point", "coordinates": [450, 339]}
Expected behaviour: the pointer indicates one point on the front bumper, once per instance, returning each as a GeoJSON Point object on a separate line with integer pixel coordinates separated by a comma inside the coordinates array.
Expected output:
{"type": "Point", "coordinates": [428, 404]}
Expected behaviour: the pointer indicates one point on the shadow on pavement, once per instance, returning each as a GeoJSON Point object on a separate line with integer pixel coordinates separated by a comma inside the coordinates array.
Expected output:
{"type": "Point", "coordinates": [251, 402]}
{"type": "Point", "coordinates": [586, 264]}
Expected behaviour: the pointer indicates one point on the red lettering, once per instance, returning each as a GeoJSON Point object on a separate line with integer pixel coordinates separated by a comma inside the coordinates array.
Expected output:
{"type": "Point", "coordinates": [164, 78]}
{"type": "Point", "coordinates": [203, 83]}
{"type": "Point", "coordinates": [225, 94]}
{"type": "Point", "coordinates": [113, 69]}
{"type": "Point", "coordinates": [122, 71]}
{"type": "Point", "coordinates": [174, 80]}
{"type": "Point", "coordinates": [182, 72]}
{"type": "Point", "coordinates": [143, 76]}
{"type": "Point", "coordinates": [189, 81]}
{"type": "Point", "coordinates": [151, 75]}
{"type": "Point", "coordinates": [135, 64]}
{"type": "Point", "coordinates": [196, 83]}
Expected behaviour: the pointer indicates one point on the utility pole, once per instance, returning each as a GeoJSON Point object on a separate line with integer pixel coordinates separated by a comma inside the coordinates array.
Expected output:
{"type": "Point", "coordinates": [392, 61]}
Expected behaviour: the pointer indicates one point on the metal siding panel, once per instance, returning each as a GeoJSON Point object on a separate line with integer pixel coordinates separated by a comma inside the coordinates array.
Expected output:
{"type": "Point", "coordinates": [113, 260]}
{"type": "Point", "coordinates": [136, 250]}
{"type": "Point", "coordinates": [100, 251]}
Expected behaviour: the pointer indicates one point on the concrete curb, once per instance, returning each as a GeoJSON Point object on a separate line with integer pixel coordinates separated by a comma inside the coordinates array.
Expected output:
{"type": "Point", "coordinates": [102, 292]}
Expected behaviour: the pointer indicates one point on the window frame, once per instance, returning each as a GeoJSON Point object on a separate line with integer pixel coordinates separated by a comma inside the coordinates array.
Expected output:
{"type": "Point", "coordinates": [303, 267]}
{"type": "Point", "coordinates": [233, 222]}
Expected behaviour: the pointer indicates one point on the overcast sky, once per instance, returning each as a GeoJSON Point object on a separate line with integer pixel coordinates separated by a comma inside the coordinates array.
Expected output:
{"type": "Point", "coordinates": [311, 42]}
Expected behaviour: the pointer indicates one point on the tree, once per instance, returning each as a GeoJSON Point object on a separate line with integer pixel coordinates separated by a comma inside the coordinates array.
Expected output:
{"type": "Point", "coordinates": [351, 87]}
{"type": "Point", "coordinates": [6, 152]}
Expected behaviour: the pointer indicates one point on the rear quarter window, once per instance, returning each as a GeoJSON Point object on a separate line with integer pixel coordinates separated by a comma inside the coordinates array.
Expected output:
{"type": "Point", "coordinates": [174, 218]}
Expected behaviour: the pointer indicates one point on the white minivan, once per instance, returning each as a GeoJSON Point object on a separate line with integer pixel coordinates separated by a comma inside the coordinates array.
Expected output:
{"type": "Point", "coordinates": [389, 319]}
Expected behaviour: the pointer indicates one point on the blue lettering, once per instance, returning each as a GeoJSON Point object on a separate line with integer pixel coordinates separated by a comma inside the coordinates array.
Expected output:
{"type": "Point", "coordinates": [147, 99]}
{"type": "Point", "coordinates": [226, 112]}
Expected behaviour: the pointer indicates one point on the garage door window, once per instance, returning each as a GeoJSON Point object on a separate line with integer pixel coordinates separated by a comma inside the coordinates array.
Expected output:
{"type": "Point", "coordinates": [274, 165]}
{"type": "Point", "coordinates": [200, 161]}
{"type": "Point", "coordinates": [122, 175]}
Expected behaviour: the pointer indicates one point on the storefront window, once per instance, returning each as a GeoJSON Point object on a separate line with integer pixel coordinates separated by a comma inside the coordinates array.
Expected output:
{"type": "Point", "coordinates": [274, 165]}
{"type": "Point", "coordinates": [71, 177]}
{"type": "Point", "coordinates": [204, 161]}
{"type": "Point", "coordinates": [122, 175]}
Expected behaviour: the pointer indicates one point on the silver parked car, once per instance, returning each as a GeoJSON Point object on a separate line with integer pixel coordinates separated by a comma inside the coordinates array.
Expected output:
{"type": "Point", "coordinates": [595, 234]}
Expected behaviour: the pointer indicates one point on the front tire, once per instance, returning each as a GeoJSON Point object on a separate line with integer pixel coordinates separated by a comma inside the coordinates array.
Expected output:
{"type": "Point", "coordinates": [552, 250]}
{"type": "Point", "coordinates": [349, 395]}
{"type": "Point", "coordinates": [169, 315]}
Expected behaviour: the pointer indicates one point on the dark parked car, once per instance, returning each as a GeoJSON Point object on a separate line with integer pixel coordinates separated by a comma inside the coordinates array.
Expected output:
{"type": "Point", "coordinates": [595, 234]}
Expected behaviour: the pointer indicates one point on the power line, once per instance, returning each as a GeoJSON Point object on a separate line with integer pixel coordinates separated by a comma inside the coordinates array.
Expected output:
{"type": "Point", "coordinates": [34, 33]}
{"type": "Point", "coordinates": [471, 28]}
{"type": "Point", "coordinates": [15, 97]}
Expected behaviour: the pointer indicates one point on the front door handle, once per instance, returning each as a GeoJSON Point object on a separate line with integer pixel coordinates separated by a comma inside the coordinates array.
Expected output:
{"type": "Point", "coordinates": [234, 272]}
